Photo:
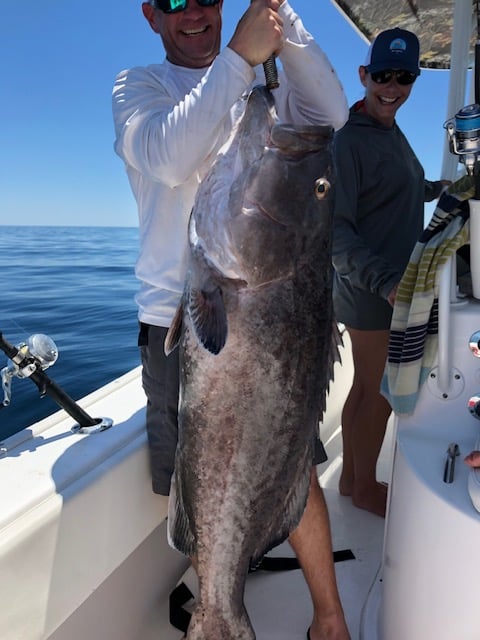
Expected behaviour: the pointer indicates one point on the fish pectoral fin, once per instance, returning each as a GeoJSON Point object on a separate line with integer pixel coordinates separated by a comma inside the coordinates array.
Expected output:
{"type": "Point", "coordinates": [179, 531]}
{"type": "Point", "coordinates": [209, 318]}
{"type": "Point", "coordinates": [174, 332]}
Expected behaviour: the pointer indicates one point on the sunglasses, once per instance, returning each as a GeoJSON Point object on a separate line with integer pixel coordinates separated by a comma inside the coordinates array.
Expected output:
{"type": "Point", "coordinates": [175, 6]}
{"type": "Point", "coordinates": [402, 76]}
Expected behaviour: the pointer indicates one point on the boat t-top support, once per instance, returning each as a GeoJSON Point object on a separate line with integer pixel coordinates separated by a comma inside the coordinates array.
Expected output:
{"type": "Point", "coordinates": [463, 134]}
{"type": "Point", "coordinates": [29, 360]}
{"type": "Point", "coordinates": [463, 139]}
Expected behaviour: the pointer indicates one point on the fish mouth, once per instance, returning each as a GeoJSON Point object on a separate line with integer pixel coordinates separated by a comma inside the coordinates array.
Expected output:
{"type": "Point", "coordinates": [254, 209]}
{"type": "Point", "coordinates": [297, 142]}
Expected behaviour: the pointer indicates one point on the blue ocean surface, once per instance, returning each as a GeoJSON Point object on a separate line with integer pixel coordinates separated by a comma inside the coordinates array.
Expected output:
{"type": "Point", "coordinates": [76, 285]}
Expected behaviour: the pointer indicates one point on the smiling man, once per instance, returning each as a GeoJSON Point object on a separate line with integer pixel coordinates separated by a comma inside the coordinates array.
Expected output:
{"type": "Point", "coordinates": [191, 38]}
{"type": "Point", "coordinates": [170, 121]}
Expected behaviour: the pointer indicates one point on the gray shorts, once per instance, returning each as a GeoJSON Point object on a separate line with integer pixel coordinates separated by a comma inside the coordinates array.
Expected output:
{"type": "Point", "coordinates": [360, 309]}
{"type": "Point", "coordinates": [160, 378]}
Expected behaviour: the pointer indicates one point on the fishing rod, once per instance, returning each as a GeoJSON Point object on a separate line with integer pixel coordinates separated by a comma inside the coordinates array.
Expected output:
{"type": "Point", "coordinates": [271, 73]}
{"type": "Point", "coordinates": [477, 56]}
{"type": "Point", "coordinates": [463, 130]}
{"type": "Point", "coordinates": [30, 360]}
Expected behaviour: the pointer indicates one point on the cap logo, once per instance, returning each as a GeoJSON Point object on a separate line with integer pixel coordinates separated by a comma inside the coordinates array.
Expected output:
{"type": "Point", "coordinates": [398, 46]}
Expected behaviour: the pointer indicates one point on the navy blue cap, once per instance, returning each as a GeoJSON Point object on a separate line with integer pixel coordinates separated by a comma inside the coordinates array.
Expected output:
{"type": "Point", "coordinates": [394, 49]}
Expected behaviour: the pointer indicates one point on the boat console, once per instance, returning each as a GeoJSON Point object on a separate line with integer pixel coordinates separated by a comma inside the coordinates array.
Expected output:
{"type": "Point", "coordinates": [430, 568]}
{"type": "Point", "coordinates": [428, 583]}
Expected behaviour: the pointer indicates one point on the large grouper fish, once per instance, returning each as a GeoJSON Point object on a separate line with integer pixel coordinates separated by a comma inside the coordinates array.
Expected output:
{"type": "Point", "coordinates": [257, 347]}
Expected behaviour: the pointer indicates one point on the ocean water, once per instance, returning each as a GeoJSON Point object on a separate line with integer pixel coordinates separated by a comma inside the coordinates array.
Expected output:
{"type": "Point", "coordinates": [77, 285]}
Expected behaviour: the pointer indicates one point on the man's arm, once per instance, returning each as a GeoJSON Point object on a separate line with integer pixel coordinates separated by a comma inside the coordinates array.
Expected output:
{"type": "Point", "coordinates": [165, 134]}
{"type": "Point", "coordinates": [314, 94]}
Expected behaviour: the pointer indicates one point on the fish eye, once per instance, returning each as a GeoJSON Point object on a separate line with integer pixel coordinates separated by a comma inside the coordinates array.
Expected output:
{"type": "Point", "coordinates": [322, 187]}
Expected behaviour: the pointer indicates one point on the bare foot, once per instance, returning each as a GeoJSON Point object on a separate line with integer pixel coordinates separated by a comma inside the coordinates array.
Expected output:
{"type": "Point", "coordinates": [373, 500]}
{"type": "Point", "coordinates": [345, 484]}
{"type": "Point", "coordinates": [347, 480]}
{"type": "Point", "coordinates": [329, 628]}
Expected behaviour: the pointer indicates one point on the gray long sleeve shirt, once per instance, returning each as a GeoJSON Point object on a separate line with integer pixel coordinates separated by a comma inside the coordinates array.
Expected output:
{"type": "Point", "coordinates": [379, 207]}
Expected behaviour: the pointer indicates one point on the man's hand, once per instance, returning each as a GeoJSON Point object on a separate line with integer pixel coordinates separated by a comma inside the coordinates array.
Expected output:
{"type": "Point", "coordinates": [259, 33]}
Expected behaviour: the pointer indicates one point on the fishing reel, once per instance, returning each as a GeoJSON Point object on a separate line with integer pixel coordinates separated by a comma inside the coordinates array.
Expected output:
{"type": "Point", "coordinates": [29, 360]}
{"type": "Point", "coordinates": [37, 354]}
{"type": "Point", "coordinates": [463, 132]}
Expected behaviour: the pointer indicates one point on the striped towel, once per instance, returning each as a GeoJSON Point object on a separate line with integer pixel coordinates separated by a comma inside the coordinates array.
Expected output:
{"type": "Point", "coordinates": [414, 329]}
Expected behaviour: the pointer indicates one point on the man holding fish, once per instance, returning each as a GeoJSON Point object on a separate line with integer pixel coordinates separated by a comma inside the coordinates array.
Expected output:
{"type": "Point", "coordinates": [171, 119]}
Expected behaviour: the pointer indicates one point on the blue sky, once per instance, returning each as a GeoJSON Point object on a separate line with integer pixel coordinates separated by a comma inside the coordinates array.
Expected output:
{"type": "Point", "coordinates": [57, 165]}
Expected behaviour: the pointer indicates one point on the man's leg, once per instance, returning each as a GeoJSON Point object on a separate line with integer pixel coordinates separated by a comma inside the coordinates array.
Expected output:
{"type": "Point", "coordinates": [312, 544]}
{"type": "Point", "coordinates": [160, 377]}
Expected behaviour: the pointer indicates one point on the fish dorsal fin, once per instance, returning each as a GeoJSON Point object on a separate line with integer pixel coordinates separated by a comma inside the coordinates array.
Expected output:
{"type": "Point", "coordinates": [172, 338]}
{"type": "Point", "coordinates": [334, 356]}
{"type": "Point", "coordinates": [209, 318]}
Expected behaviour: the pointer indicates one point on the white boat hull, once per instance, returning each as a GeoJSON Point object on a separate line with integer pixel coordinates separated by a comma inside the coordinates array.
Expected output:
{"type": "Point", "coordinates": [428, 586]}
{"type": "Point", "coordinates": [83, 551]}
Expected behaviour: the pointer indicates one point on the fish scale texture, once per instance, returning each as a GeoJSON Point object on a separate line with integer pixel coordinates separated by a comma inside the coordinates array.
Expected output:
{"type": "Point", "coordinates": [256, 349]}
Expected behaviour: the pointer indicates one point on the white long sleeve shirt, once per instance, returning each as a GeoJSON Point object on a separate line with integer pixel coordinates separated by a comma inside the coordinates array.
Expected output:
{"type": "Point", "coordinates": [170, 121]}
